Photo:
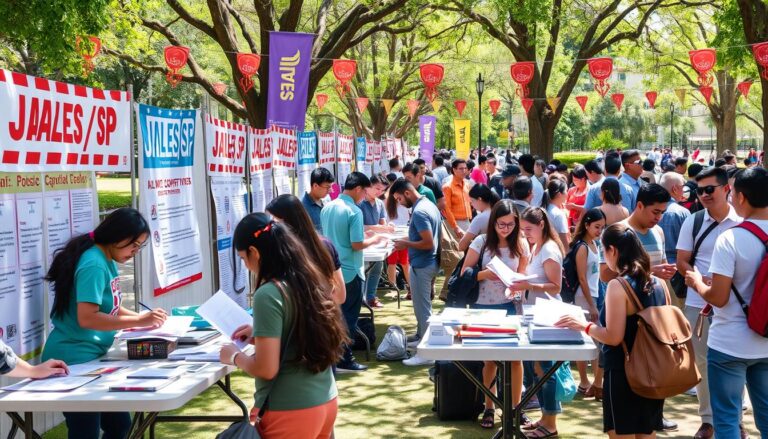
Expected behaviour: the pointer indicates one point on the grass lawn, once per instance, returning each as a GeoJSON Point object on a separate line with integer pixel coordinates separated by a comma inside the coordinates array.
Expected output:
{"type": "Point", "coordinates": [113, 193]}
{"type": "Point", "coordinates": [394, 401]}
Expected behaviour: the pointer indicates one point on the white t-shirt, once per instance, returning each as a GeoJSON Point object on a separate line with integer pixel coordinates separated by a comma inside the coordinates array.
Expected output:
{"type": "Point", "coordinates": [737, 255]}
{"type": "Point", "coordinates": [686, 242]}
{"type": "Point", "coordinates": [479, 224]}
{"type": "Point", "coordinates": [403, 216]}
{"type": "Point", "coordinates": [440, 174]}
{"type": "Point", "coordinates": [550, 250]}
{"type": "Point", "coordinates": [538, 191]}
{"type": "Point", "coordinates": [492, 292]}
{"type": "Point", "coordinates": [558, 219]}
{"type": "Point", "coordinates": [593, 271]}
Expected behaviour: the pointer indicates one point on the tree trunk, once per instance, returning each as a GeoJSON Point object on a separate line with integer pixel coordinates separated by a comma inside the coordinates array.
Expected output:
{"type": "Point", "coordinates": [541, 131]}
{"type": "Point", "coordinates": [764, 84]}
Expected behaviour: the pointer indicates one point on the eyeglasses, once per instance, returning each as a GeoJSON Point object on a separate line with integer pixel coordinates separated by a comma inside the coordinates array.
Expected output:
{"type": "Point", "coordinates": [636, 162]}
{"type": "Point", "coordinates": [505, 226]}
{"type": "Point", "coordinates": [139, 245]}
{"type": "Point", "coordinates": [709, 190]}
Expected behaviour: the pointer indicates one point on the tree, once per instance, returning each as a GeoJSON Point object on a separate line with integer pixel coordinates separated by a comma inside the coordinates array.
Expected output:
{"type": "Point", "coordinates": [231, 29]}
{"type": "Point", "coordinates": [546, 32]}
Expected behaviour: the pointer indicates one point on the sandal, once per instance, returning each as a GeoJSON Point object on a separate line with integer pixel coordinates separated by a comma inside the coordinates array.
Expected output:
{"type": "Point", "coordinates": [598, 393]}
{"type": "Point", "coordinates": [530, 426]}
{"type": "Point", "coordinates": [525, 422]}
{"type": "Point", "coordinates": [488, 418]}
{"type": "Point", "coordinates": [582, 390]}
{"type": "Point", "coordinates": [590, 392]}
{"type": "Point", "coordinates": [541, 432]}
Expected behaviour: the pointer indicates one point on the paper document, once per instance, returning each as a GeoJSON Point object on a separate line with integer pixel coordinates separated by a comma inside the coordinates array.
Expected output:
{"type": "Point", "coordinates": [53, 384]}
{"type": "Point", "coordinates": [225, 315]}
{"type": "Point", "coordinates": [174, 326]}
{"type": "Point", "coordinates": [547, 312]}
{"type": "Point", "coordinates": [506, 274]}
{"type": "Point", "coordinates": [158, 372]}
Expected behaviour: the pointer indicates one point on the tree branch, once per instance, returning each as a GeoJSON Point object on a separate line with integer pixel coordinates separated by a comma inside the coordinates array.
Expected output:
{"type": "Point", "coordinates": [554, 32]}
{"type": "Point", "coordinates": [243, 29]}
{"type": "Point", "coordinates": [189, 18]}
{"type": "Point", "coordinates": [751, 119]}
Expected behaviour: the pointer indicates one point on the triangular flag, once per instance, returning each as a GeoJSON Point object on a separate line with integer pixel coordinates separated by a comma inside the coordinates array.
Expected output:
{"type": "Point", "coordinates": [553, 103]}
{"type": "Point", "coordinates": [651, 96]}
{"type": "Point", "coordinates": [582, 100]}
{"type": "Point", "coordinates": [413, 106]}
{"type": "Point", "coordinates": [322, 99]}
{"type": "Point", "coordinates": [361, 104]}
{"type": "Point", "coordinates": [460, 105]}
{"type": "Point", "coordinates": [495, 104]}
{"type": "Point", "coordinates": [436, 105]}
{"type": "Point", "coordinates": [617, 99]}
{"type": "Point", "coordinates": [680, 92]}
{"type": "Point", "coordinates": [527, 104]}
{"type": "Point", "coordinates": [707, 92]}
{"type": "Point", "coordinates": [388, 105]}
{"type": "Point", "coordinates": [744, 88]}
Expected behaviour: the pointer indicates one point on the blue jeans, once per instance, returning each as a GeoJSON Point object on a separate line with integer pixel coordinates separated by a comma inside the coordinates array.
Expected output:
{"type": "Point", "coordinates": [90, 425]}
{"type": "Point", "coordinates": [727, 376]}
{"type": "Point", "coordinates": [546, 394]}
{"type": "Point", "coordinates": [372, 280]}
{"type": "Point", "coordinates": [421, 288]}
{"type": "Point", "coordinates": [350, 309]}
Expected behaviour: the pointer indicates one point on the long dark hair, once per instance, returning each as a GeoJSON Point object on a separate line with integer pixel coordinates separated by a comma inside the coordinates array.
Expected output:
{"type": "Point", "coordinates": [592, 215]}
{"type": "Point", "coordinates": [537, 215]}
{"type": "Point", "coordinates": [483, 193]}
{"type": "Point", "coordinates": [633, 261]}
{"type": "Point", "coordinates": [317, 327]}
{"type": "Point", "coordinates": [611, 191]}
{"type": "Point", "coordinates": [391, 205]}
{"type": "Point", "coordinates": [554, 187]}
{"type": "Point", "coordinates": [503, 208]}
{"type": "Point", "coordinates": [289, 209]}
{"type": "Point", "coordinates": [120, 225]}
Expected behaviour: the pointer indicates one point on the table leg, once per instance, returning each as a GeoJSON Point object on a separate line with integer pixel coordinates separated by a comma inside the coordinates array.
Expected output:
{"type": "Point", "coordinates": [29, 431]}
{"type": "Point", "coordinates": [25, 424]}
{"type": "Point", "coordinates": [142, 425]}
{"type": "Point", "coordinates": [226, 387]}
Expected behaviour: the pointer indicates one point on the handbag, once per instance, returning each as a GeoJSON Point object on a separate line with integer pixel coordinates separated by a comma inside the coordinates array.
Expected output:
{"type": "Point", "coordinates": [463, 286]}
{"type": "Point", "coordinates": [244, 429]}
{"type": "Point", "coordinates": [566, 385]}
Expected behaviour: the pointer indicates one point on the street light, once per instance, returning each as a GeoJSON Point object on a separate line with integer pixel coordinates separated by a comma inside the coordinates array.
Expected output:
{"type": "Point", "coordinates": [480, 86]}
{"type": "Point", "coordinates": [671, 125]}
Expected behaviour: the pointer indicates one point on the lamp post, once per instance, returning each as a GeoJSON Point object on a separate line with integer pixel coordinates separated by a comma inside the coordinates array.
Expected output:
{"type": "Point", "coordinates": [671, 125]}
{"type": "Point", "coordinates": [480, 86]}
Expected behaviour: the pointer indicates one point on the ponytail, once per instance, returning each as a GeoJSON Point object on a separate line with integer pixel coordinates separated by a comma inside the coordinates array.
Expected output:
{"type": "Point", "coordinates": [554, 187]}
{"type": "Point", "coordinates": [538, 215]}
{"type": "Point", "coordinates": [633, 261]}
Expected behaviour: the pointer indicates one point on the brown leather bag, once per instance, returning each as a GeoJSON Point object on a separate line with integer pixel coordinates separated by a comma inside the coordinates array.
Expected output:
{"type": "Point", "coordinates": [662, 363]}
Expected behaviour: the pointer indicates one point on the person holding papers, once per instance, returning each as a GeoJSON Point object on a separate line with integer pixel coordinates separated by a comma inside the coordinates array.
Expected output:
{"type": "Point", "coordinates": [297, 332]}
{"type": "Point", "coordinates": [503, 240]}
{"type": "Point", "coordinates": [624, 412]}
{"type": "Point", "coordinates": [14, 367]}
{"type": "Point", "coordinates": [87, 309]}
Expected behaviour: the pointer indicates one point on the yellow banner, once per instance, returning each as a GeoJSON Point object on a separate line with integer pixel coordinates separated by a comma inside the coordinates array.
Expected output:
{"type": "Point", "coordinates": [436, 105]}
{"type": "Point", "coordinates": [461, 127]}
{"type": "Point", "coordinates": [681, 92]}
{"type": "Point", "coordinates": [553, 103]}
{"type": "Point", "coordinates": [388, 105]}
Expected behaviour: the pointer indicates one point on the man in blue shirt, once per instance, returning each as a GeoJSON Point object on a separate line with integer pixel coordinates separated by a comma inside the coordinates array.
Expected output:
{"type": "Point", "coordinates": [612, 163]}
{"type": "Point", "coordinates": [422, 244]}
{"type": "Point", "coordinates": [374, 220]}
{"type": "Point", "coordinates": [343, 225]}
{"type": "Point", "coordinates": [320, 182]}
{"type": "Point", "coordinates": [633, 169]}
{"type": "Point", "coordinates": [675, 215]}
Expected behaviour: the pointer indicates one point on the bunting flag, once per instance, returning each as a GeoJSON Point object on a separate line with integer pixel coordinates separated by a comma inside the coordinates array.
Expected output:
{"type": "Point", "coordinates": [651, 96]}
{"type": "Point", "coordinates": [387, 103]}
{"type": "Point", "coordinates": [680, 93]}
{"type": "Point", "coordinates": [527, 104]}
{"type": "Point", "coordinates": [744, 88]}
{"type": "Point", "coordinates": [495, 104]}
{"type": "Point", "coordinates": [436, 105]}
{"type": "Point", "coordinates": [462, 133]}
{"type": "Point", "coordinates": [460, 105]}
{"type": "Point", "coordinates": [553, 103]}
{"type": "Point", "coordinates": [362, 103]}
{"type": "Point", "coordinates": [582, 100]}
{"type": "Point", "coordinates": [321, 99]}
{"type": "Point", "coordinates": [618, 99]}
{"type": "Point", "coordinates": [706, 91]}
{"type": "Point", "coordinates": [413, 106]}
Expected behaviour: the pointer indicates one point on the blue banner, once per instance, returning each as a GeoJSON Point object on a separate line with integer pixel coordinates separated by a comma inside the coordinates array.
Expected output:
{"type": "Point", "coordinates": [307, 148]}
{"type": "Point", "coordinates": [361, 149]}
{"type": "Point", "coordinates": [167, 136]}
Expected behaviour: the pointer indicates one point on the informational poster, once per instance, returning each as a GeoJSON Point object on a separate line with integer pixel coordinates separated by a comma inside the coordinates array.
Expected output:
{"type": "Point", "coordinates": [286, 146]}
{"type": "Point", "coordinates": [361, 149]}
{"type": "Point", "coordinates": [261, 168]}
{"type": "Point", "coordinates": [327, 145]}
{"type": "Point", "coordinates": [167, 141]}
{"type": "Point", "coordinates": [369, 155]}
{"type": "Point", "coordinates": [50, 126]}
{"type": "Point", "coordinates": [225, 144]}
{"type": "Point", "coordinates": [346, 147]}
{"type": "Point", "coordinates": [375, 147]}
{"type": "Point", "coordinates": [307, 162]}
{"type": "Point", "coordinates": [229, 200]}
{"type": "Point", "coordinates": [391, 148]}
{"type": "Point", "coordinates": [9, 265]}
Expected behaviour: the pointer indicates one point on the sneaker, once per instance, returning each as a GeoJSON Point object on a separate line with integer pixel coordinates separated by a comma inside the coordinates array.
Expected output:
{"type": "Point", "coordinates": [692, 392]}
{"type": "Point", "coordinates": [375, 303]}
{"type": "Point", "coordinates": [350, 366]}
{"type": "Point", "coordinates": [667, 425]}
{"type": "Point", "coordinates": [416, 360]}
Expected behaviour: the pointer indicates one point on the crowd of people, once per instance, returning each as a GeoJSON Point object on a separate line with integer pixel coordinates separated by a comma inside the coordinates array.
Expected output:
{"type": "Point", "coordinates": [658, 224]}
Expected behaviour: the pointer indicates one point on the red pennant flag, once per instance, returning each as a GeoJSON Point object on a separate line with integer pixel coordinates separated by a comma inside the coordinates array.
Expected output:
{"type": "Point", "coordinates": [495, 104]}
{"type": "Point", "coordinates": [744, 88]}
{"type": "Point", "coordinates": [707, 92]}
{"type": "Point", "coordinates": [362, 103]}
{"type": "Point", "coordinates": [527, 104]}
{"type": "Point", "coordinates": [651, 96]}
{"type": "Point", "coordinates": [413, 106]}
{"type": "Point", "coordinates": [617, 99]}
{"type": "Point", "coordinates": [322, 99]}
{"type": "Point", "coordinates": [431, 76]}
{"type": "Point", "coordinates": [582, 100]}
{"type": "Point", "coordinates": [460, 105]}
{"type": "Point", "coordinates": [219, 88]}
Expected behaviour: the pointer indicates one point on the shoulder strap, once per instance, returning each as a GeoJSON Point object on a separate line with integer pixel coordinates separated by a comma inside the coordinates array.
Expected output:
{"type": "Point", "coordinates": [759, 234]}
{"type": "Point", "coordinates": [631, 293]}
{"type": "Point", "coordinates": [479, 264]}
{"type": "Point", "coordinates": [698, 221]}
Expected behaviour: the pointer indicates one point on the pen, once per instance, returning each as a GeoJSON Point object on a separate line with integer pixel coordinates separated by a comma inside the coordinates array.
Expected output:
{"type": "Point", "coordinates": [145, 306]}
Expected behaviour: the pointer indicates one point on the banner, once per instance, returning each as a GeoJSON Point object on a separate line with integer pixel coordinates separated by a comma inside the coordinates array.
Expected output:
{"type": "Point", "coordinates": [260, 147]}
{"type": "Point", "coordinates": [346, 153]}
{"type": "Point", "coordinates": [51, 126]}
{"type": "Point", "coordinates": [289, 59]}
{"type": "Point", "coordinates": [225, 147]}
{"type": "Point", "coordinates": [461, 128]}
{"type": "Point", "coordinates": [229, 203]}
{"type": "Point", "coordinates": [427, 126]}
{"type": "Point", "coordinates": [327, 144]}
{"type": "Point", "coordinates": [167, 141]}
{"type": "Point", "coordinates": [307, 161]}
{"type": "Point", "coordinates": [391, 148]}
{"type": "Point", "coordinates": [362, 155]}
{"type": "Point", "coordinates": [374, 152]}
{"type": "Point", "coordinates": [284, 158]}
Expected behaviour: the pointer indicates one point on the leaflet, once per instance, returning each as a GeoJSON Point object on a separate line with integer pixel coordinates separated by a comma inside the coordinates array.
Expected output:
{"type": "Point", "coordinates": [225, 315]}
{"type": "Point", "coordinates": [506, 274]}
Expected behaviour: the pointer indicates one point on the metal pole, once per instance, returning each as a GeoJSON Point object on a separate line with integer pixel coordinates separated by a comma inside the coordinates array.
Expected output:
{"type": "Point", "coordinates": [137, 260]}
{"type": "Point", "coordinates": [479, 123]}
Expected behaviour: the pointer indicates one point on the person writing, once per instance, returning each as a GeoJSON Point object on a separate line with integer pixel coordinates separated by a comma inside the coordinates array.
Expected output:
{"type": "Point", "coordinates": [87, 309]}
{"type": "Point", "coordinates": [297, 333]}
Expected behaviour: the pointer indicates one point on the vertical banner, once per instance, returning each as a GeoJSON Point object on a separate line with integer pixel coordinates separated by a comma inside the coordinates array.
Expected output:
{"type": "Point", "coordinates": [427, 125]}
{"type": "Point", "coordinates": [225, 145]}
{"type": "Point", "coordinates": [383, 158]}
{"type": "Point", "coordinates": [461, 128]}
{"type": "Point", "coordinates": [260, 147]}
{"type": "Point", "coordinates": [362, 156]}
{"type": "Point", "coordinates": [50, 126]}
{"type": "Point", "coordinates": [327, 144]}
{"type": "Point", "coordinates": [346, 153]}
{"type": "Point", "coordinates": [373, 154]}
{"type": "Point", "coordinates": [289, 60]}
{"type": "Point", "coordinates": [307, 161]}
{"type": "Point", "coordinates": [284, 158]}
{"type": "Point", "coordinates": [167, 141]}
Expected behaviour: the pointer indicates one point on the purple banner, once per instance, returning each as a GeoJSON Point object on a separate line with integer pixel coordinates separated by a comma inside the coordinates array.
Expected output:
{"type": "Point", "coordinates": [289, 59]}
{"type": "Point", "coordinates": [427, 125]}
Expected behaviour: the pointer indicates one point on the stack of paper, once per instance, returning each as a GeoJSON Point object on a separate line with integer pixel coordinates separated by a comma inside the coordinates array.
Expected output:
{"type": "Point", "coordinates": [547, 312]}
{"type": "Point", "coordinates": [226, 316]}
{"type": "Point", "coordinates": [461, 316]}
{"type": "Point", "coordinates": [550, 335]}
{"type": "Point", "coordinates": [491, 341]}
{"type": "Point", "coordinates": [52, 384]}
{"type": "Point", "coordinates": [173, 328]}
{"type": "Point", "coordinates": [506, 274]}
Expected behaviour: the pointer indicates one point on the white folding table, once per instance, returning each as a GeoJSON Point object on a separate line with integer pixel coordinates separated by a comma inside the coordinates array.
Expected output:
{"type": "Point", "coordinates": [510, 421]}
{"type": "Point", "coordinates": [96, 397]}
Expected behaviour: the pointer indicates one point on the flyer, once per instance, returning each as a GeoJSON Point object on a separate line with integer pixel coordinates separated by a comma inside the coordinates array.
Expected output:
{"type": "Point", "coordinates": [261, 168]}
{"type": "Point", "coordinates": [285, 145]}
{"type": "Point", "coordinates": [346, 150]}
{"type": "Point", "coordinates": [307, 162]}
{"type": "Point", "coordinates": [229, 196]}
{"type": "Point", "coordinates": [9, 265]}
{"type": "Point", "coordinates": [167, 141]}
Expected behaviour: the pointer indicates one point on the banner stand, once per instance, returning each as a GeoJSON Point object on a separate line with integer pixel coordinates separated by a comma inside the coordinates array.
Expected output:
{"type": "Point", "coordinates": [205, 107]}
{"type": "Point", "coordinates": [134, 203]}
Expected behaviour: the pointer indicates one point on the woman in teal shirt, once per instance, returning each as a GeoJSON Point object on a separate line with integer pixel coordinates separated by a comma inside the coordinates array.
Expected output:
{"type": "Point", "coordinates": [294, 316]}
{"type": "Point", "coordinates": [87, 309]}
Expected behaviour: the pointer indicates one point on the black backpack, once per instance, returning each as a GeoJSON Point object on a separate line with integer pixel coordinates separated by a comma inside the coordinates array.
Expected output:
{"type": "Point", "coordinates": [570, 283]}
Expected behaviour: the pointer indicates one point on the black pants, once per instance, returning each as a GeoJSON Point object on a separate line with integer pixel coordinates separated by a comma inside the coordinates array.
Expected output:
{"type": "Point", "coordinates": [89, 425]}
{"type": "Point", "coordinates": [350, 309]}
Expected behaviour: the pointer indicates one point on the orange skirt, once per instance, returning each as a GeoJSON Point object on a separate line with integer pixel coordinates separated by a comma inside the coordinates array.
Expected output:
{"type": "Point", "coordinates": [311, 423]}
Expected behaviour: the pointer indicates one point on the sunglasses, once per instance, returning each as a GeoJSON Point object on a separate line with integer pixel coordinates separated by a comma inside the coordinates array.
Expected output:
{"type": "Point", "coordinates": [709, 190]}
